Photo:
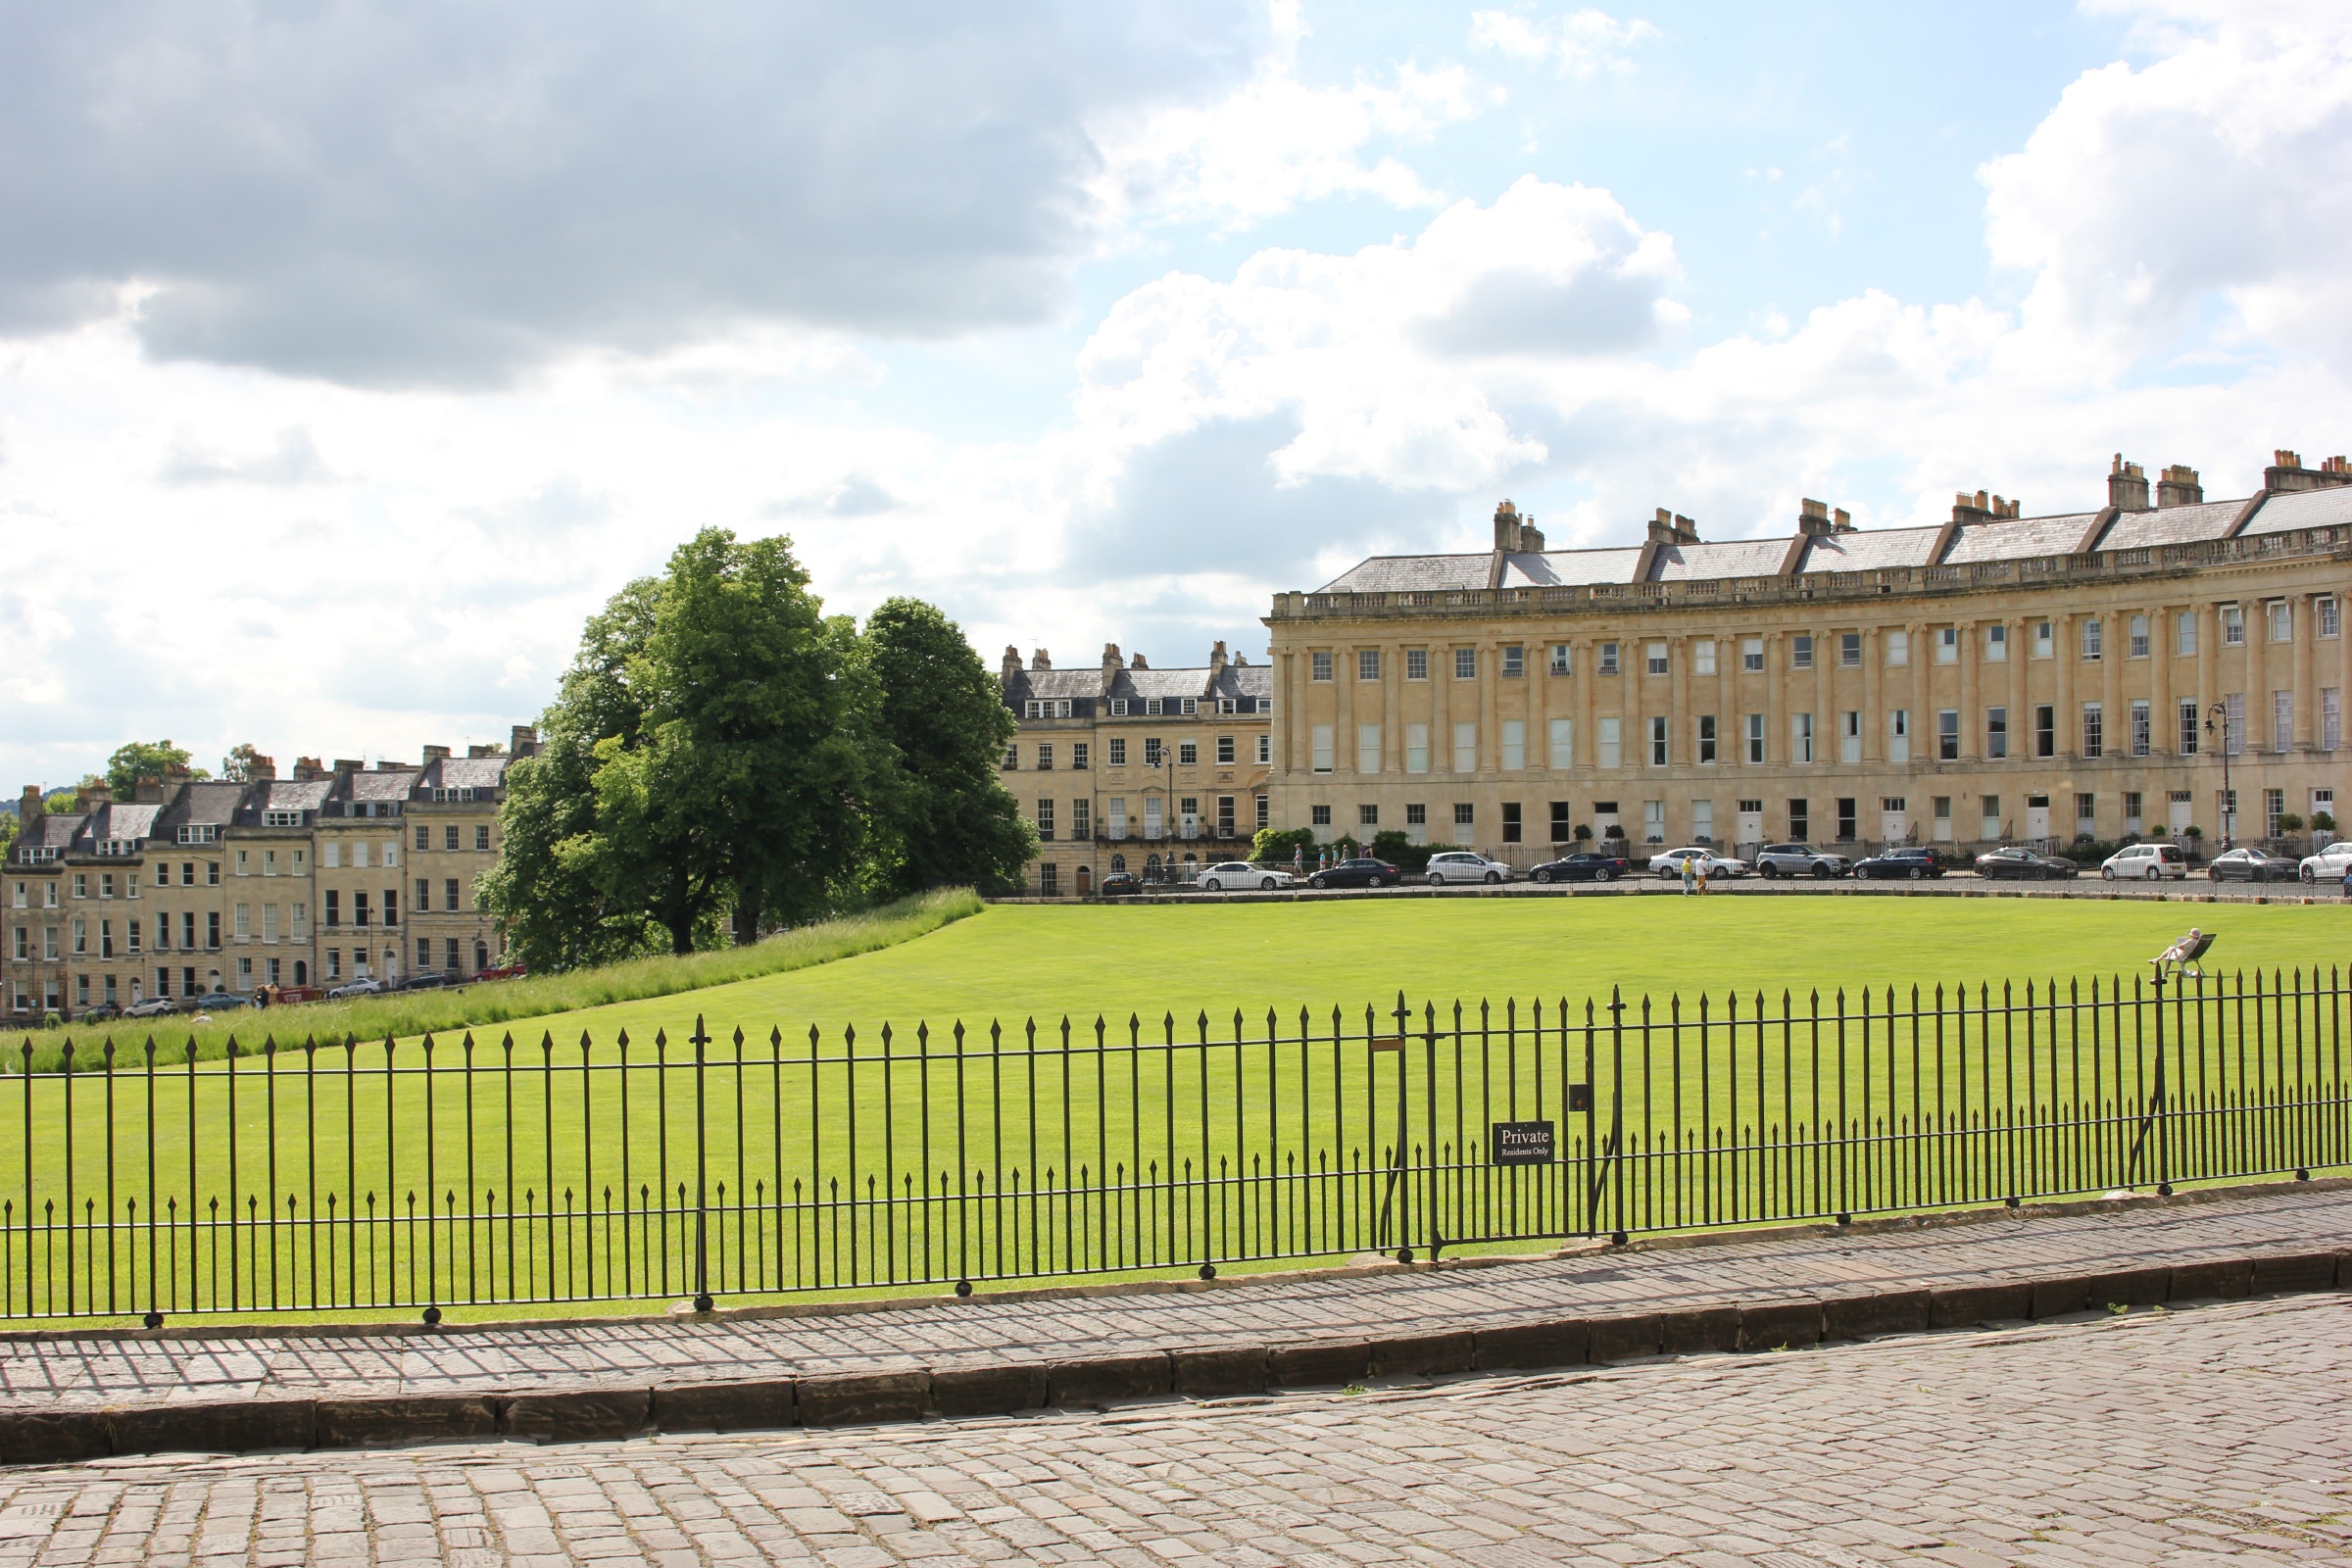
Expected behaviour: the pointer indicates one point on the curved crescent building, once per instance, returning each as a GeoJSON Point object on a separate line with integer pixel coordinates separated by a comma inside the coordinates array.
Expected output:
{"type": "Point", "coordinates": [1997, 678]}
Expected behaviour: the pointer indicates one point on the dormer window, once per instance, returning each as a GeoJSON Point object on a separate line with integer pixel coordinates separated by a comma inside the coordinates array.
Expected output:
{"type": "Point", "coordinates": [1119, 707]}
{"type": "Point", "coordinates": [281, 820]}
{"type": "Point", "coordinates": [199, 832]}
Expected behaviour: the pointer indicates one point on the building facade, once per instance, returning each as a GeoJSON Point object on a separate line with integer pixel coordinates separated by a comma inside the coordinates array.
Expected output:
{"type": "Point", "coordinates": [336, 873]}
{"type": "Point", "coordinates": [1123, 768]}
{"type": "Point", "coordinates": [1995, 679]}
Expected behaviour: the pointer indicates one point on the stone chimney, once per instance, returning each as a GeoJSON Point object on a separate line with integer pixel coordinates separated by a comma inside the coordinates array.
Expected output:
{"type": "Point", "coordinates": [149, 791]}
{"type": "Point", "coordinates": [1137, 663]}
{"type": "Point", "coordinates": [1975, 508]}
{"type": "Point", "coordinates": [1840, 522]}
{"type": "Point", "coordinates": [1813, 518]}
{"type": "Point", "coordinates": [178, 773]}
{"type": "Point", "coordinates": [262, 769]}
{"type": "Point", "coordinates": [2178, 486]}
{"type": "Point", "coordinates": [1111, 660]}
{"type": "Point", "coordinates": [29, 804]}
{"type": "Point", "coordinates": [1216, 659]}
{"type": "Point", "coordinates": [522, 741]}
{"type": "Point", "coordinates": [434, 754]}
{"type": "Point", "coordinates": [1041, 659]}
{"type": "Point", "coordinates": [350, 764]}
{"type": "Point", "coordinates": [481, 749]}
{"type": "Point", "coordinates": [1672, 528]}
{"type": "Point", "coordinates": [306, 768]}
{"type": "Point", "coordinates": [90, 797]}
{"type": "Point", "coordinates": [1012, 660]}
{"type": "Point", "coordinates": [2126, 486]}
{"type": "Point", "coordinates": [2287, 474]}
{"type": "Point", "coordinates": [1515, 534]}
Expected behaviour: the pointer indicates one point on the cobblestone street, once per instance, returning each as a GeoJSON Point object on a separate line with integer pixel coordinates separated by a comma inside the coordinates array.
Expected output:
{"type": "Point", "coordinates": [2218, 1433]}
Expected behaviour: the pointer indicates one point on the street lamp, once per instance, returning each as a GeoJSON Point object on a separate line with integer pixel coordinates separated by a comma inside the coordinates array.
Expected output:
{"type": "Point", "coordinates": [2217, 724]}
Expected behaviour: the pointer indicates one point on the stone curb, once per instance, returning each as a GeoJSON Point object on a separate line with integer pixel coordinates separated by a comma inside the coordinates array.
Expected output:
{"type": "Point", "coordinates": [965, 1390]}
{"type": "Point", "coordinates": [1680, 1241]}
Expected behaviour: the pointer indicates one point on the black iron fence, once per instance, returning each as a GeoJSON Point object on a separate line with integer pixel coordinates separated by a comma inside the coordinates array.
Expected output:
{"type": "Point", "coordinates": [366, 1175]}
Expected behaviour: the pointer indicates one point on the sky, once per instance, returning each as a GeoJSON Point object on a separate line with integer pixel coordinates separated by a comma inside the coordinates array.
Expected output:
{"type": "Point", "coordinates": [351, 355]}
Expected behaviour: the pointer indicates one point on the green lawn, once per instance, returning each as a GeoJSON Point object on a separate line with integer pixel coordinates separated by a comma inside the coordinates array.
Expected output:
{"type": "Point", "coordinates": [846, 1161]}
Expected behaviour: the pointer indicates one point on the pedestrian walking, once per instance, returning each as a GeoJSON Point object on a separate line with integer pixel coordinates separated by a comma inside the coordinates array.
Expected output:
{"type": "Point", "coordinates": [1689, 877]}
{"type": "Point", "coordinates": [1702, 876]}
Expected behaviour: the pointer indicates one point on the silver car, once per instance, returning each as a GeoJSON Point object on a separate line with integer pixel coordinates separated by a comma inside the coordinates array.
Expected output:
{"type": "Point", "coordinates": [1242, 875]}
{"type": "Point", "coordinates": [2328, 866]}
{"type": "Point", "coordinates": [1716, 862]}
{"type": "Point", "coordinates": [1462, 865]}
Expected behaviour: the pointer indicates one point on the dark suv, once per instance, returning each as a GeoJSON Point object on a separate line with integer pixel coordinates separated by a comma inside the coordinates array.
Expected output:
{"type": "Point", "coordinates": [1907, 861]}
{"type": "Point", "coordinates": [1798, 860]}
{"type": "Point", "coordinates": [1361, 872]}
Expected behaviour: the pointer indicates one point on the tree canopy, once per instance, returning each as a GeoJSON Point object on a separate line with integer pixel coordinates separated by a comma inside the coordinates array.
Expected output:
{"type": "Point", "coordinates": [135, 761]}
{"type": "Point", "coordinates": [719, 757]}
{"type": "Point", "coordinates": [951, 822]}
{"type": "Point", "coordinates": [237, 766]}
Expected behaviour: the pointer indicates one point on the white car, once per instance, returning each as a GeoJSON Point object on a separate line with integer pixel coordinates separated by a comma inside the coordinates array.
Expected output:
{"type": "Point", "coordinates": [1242, 875]}
{"type": "Point", "coordinates": [2145, 862]}
{"type": "Point", "coordinates": [1716, 861]}
{"type": "Point", "coordinates": [356, 988]}
{"type": "Point", "coordinates": [1462, 865]}
{"type": "Point", "coordinates": [2328, 866]}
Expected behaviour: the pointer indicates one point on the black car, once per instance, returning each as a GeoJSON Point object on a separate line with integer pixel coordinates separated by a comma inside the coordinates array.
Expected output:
{"type": "Point", "coordinates": [100, 1013]}
{"type": "Point", "coordinates": [1361, 872]}
{"type": "Point", "coordinates": [1118, 884]}
{"type": "Point", "coordinates": [1583, 868]}
{"type": "Point", "coordinates": [432, 980]}
{"type": "Point", "coordinates": [2025, 865]}
{"type": "Point", "coordinates": [2252, 866]}
{"type": "Point", "coordinates": [1912, 864]}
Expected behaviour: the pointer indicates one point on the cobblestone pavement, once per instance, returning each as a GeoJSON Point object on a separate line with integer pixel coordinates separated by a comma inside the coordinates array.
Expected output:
{"type": "Point", "coordinates": [2219, 1433]}
{"type": "Point", "coordinates": [91, 1370]}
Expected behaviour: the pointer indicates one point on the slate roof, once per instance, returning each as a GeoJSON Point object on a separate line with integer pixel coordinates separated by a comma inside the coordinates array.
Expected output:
{"type": "Point", "coordinates": [123, 820]}
{"type": "Point", "coordinates": [2015, 538]}
{"type": "Point", "coordinates": [214, 801]}
{"type": "Point", "coordinates": [2305, 508]}
{"type": "Point", "coordinates": [1568, 567]}
{"type": "Point", "coordinates": [52, 831]}
{"type": "Point", "coordinates": [285, 795]}
{"type": "Point", "coordinates": [1870, 550]}
{"type": "Point", "coordinates": [2171, 525]}
{"type": "Point", "coordinates": [387, 784]}
{"type": "Point", "coordinates": [1243, 680]}
{"type": "Point", "coordinates": [463, 772]}
{"type": "Point", "coordinates": [1393, 575]}
{"type": "Point", "coordinates": [1053, 683]}
{"type": "Point", "coordinates": [1701, 562]}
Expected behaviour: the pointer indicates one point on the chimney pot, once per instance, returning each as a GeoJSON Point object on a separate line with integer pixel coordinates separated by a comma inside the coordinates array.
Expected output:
{"type": "Point", "coordinates": [522, 741]}
{"type": "Point", "coordinates": [2178, 487]}
{"type": "Point", "coordinates": [1041, 659]}
{"type": "Point", "coordinates": [1810, 508]}
{"type": "Point", "coordinates": [1137, 663]}
{"type": "Point", "coordinates": [2126, 486]}
{"type": "Point", "coordinates": [29, 804]}
{"type": "Point", "coordinates": [434, 754]}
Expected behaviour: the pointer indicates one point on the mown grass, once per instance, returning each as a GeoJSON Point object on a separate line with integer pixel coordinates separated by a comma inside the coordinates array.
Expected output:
{"type": "Point", "coordinates": [408, 1015]}
{"type": "Point", "coordinates": [528, 1122]}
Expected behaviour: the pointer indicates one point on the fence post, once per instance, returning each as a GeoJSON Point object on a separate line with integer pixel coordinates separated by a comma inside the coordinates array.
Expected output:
{"type": "Point", "coordinates": [1436, 1177]}
{"type": "Point", "coordinates": [702, 1172]}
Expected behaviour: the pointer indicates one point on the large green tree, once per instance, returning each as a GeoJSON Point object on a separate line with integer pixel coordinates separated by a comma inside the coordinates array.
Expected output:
{"type": "Point", "coordinates": [135, 761]}
{"type": "Point", "coordinates": [952, 824]}
{"type": "Point", "coordinates": [714, 753]}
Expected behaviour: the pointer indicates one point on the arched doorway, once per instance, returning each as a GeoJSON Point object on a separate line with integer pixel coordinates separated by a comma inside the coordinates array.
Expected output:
{"type": "Point", "coordinates": [481, 955]}
{"type": "Point", "coordinates": [302, 973]}
{"type": "Point", "coordinates": [1086, 880]}
{"type": "Point", "coordinates": [1119, 862]}
{"type": "Point", "coordinates": [1192, 867]}
{"type": "Point", "coordinates": [1152, 867]}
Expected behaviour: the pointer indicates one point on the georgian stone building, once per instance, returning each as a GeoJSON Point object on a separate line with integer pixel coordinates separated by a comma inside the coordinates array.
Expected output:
{"type": "Point", "coordinates": [337, 873]}
{"type": "Point", "coordinates": [1996, 677]}
{"type": "Point", "coordinates": [1123, 768]}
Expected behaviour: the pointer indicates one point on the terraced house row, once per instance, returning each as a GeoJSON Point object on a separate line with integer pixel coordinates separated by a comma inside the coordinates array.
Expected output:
{"type": "Point", "coordinates": [1996, 677]}
{"type": "Point", "coordinates": [194, 886]}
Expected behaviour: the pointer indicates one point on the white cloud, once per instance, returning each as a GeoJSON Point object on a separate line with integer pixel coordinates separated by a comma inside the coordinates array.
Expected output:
{"type": "Point", "coordinates": [2221, 170]}
{"type": "Point", "coordinates": [1577, 43]}
{"type": "Point", "coordinates": [1276, 142]}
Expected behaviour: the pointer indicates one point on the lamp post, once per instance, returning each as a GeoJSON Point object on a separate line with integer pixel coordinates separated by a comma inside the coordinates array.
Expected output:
{"type": "Point", "coordinates": [2217, 724]}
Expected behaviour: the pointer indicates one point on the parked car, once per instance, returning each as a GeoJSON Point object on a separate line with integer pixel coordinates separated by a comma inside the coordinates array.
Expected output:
{"type": "Point", "coordinates": [1798, 860]}
{"type": "Point", "coordinates": [151, 1008]}
{"type": "Point", "coordinates": [1912, 861]}
{"type": "Point", "coordinates": [428, 981]}
{"type": "Point", "coordinates": [219, 1001]}
{"type": "Point", "coordinates": [1120, 885]}
{"type": "Point", "coordinates": [1583, 867]}
{"type": "Point", "coordinates": [2330, 864]}
{"type": "Point", "coordinates": [2023, 864]}
{"type": "Point", "coordinates": [1463, 865]}
{"type": "Point", "coordinates": [503, 971]}
{"type": "Point", "coordinates": [2145, 862]}
{"type": "Point", "coordinates": [1716, 861]}
{"type": "Point", "coordinates": [100, 1013]}
{"type": "Point", "coordinates": [1361, 872]}
{"type": "Point", "coordinates": [1242, 874]}
{"type": "Point", "coordinates": [356, 988]}
{"type": "Point", "coordinates": [2249, 864]}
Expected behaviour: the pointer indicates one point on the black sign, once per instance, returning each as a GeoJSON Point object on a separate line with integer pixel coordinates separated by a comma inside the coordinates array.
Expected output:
{"type": "Point", "coordinates": [1579, 1096]}
{"type": "Point", "coordinates": [1522, 1142]}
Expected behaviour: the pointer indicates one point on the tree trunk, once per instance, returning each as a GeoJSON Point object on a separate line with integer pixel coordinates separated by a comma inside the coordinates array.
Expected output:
{"type": "Point", "coordinates": [681, 935]}
{"type": "Point", "coordinates": [747, 919]}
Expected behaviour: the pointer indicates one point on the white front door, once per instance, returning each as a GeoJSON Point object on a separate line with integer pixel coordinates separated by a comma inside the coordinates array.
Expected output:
{"type": "Point", "coordinates": [2038, 816]}
{"type": "Point", "coordinates": [1893, 826]}
{"type": "Point", "coordinates": [1751, 827]}
{"type": "Point", "coordinates": [2176, 816]}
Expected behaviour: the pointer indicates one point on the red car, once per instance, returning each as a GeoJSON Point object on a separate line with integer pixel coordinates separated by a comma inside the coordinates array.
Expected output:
{"type": "Point", "coordinates": [510, 971]}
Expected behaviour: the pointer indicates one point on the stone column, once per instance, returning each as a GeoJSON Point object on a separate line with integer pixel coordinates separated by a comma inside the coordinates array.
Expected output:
{"type": "Point", "coordinates": [1441, 724]}
{"type": "Point", "coordinates": [1342, 717]}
